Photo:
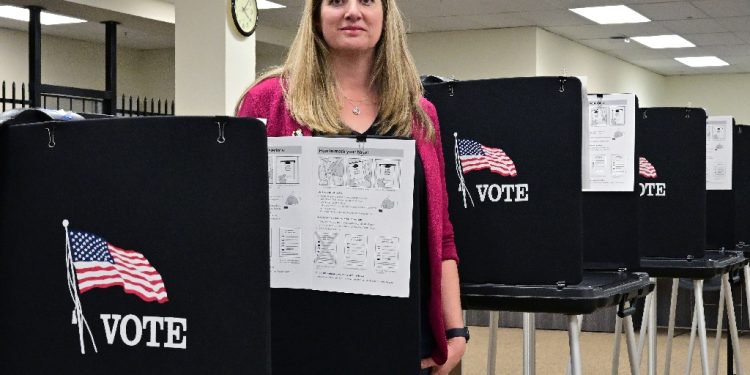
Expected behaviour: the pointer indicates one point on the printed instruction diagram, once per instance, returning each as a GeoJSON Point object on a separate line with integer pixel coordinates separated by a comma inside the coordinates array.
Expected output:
{"type": "Point", "coordinates": [340, 213]}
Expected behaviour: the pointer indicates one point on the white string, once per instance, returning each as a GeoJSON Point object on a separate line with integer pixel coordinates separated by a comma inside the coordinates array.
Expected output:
{"type": "Point", "coordinates": [80, 319]}
{"type": "Point", "coordinates": [460, 173]}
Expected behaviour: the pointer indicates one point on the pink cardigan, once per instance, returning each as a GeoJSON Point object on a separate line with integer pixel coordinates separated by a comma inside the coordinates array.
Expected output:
{"type": "Point", "coordinates": [266, 100]}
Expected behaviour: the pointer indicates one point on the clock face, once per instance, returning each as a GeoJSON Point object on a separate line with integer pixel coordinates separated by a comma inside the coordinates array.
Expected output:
{"type": "Point", "coordinates": [245, 15]}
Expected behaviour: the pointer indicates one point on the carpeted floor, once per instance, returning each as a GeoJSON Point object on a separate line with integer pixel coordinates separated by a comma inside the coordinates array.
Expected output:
{"type": "Point", "coordinates": [552, 352]}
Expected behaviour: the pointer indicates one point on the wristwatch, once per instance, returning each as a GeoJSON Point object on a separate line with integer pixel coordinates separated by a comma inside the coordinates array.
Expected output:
{"type": "Point", "coordinates": [457, 332]}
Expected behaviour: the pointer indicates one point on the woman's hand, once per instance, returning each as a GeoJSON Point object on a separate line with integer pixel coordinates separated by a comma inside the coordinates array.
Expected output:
{"type": "Point", "coordinates": [456, 350]}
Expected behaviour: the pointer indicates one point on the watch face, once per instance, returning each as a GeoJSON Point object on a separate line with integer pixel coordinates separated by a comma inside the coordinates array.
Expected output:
{"type": "Point", "coordinates": [245, 15]}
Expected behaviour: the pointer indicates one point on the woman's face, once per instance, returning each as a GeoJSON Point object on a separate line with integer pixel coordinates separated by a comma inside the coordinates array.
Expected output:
{"type": "Point", "coordinates": [351, 25]}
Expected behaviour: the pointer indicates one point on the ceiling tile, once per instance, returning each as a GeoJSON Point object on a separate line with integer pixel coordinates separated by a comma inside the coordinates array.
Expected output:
{"type": "Point", "coordinates": [695, 26]}
{"type": "Point", "coordinates": [714, 39]}
{"type": "Point", "coordinates": [606, 31]}
{"type": "Point", "coordinates": [560, 17]}
{"type": "Point", "coordinates": [727, 51]}
{"type": "Point", "coordinates": [609, 44]}
{"type": "Point", "coordinates": [500, 20]}
{"type": "Point", "coordinates": [744, 35]}
{"type": "Point", "coordinates": [724, 8]}
{"type": "Point", "coordinates": [735, 23]}
{"type": "Point", "coordinates": [674, 10]}
{"type": "Point", "coordinates": [644, 53]}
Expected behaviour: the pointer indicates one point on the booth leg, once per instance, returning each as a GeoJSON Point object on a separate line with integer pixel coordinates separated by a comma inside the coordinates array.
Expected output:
{"type": "Point", "coordinates": [701, 325]}
{"type": "Point", "coordinates": [529, 344]}
{"type": "Point", "coordinates": [670, 329]}
{"type": "Point", "coordinates": [732, 323]}
{"type": "Point", "coordinates": [492, 344]}
{"type": "Point", "coordinates": [719, 326]}
{"type": "Point", "coordinates": [644, 324]}
{"type": "Point", "coordinates": [574, 343]}
{"type": "Point", "coordinates": [616, 350]}
{"type": "Point", "coordinates": [747, 288]}
{"type": "Point", "coordinates": [569, 369]}
{"type": "Point", "coordinates": [693, 328]}
{"type": "Point", "coordinates": [652, 335]}
{"type": "Point", "coordinates": [632, 353]}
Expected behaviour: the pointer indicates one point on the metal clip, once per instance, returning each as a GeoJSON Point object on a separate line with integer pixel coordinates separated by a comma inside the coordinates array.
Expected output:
{"type": "Point", "coordinates": [690, 258]}
{"type": "Point", "coordinates": [623, 311]}
{"type": "Point", "coordinates": [687, 112]}
{"type": "Point", "coordinates": [561, 285]}
{"type": "Point", "coordinates": [221, 126]}
{"type": "Point", "coordinates": [51, 136]}
{"type": "Point", "coordinates": [451, 92]}
{"type": "Point", "coordinates": [645, 116]}
{"type": "Point", "coordinates": [563, 80]}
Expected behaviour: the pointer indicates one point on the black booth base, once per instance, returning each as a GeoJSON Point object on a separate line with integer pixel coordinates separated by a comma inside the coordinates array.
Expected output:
{"type": "Point", "coordinates": [714, 263]}
{"type": "Point", "coordinates": [597, 290]}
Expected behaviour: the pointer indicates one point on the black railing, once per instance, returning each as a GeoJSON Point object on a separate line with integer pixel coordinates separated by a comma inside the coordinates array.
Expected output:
{"type": "Point", "coordinates": [82, 100]}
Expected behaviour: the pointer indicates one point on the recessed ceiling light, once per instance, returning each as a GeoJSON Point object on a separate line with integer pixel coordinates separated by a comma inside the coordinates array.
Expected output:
{"type": "Point", "coordinates": [612, 14]}
{"type": "Point", "coordinates": [663, 41]}
{"type": "Point", "coordinates": [45, 18]}
{"type": "Point", "coordinates": [265, 4]}
{"type": "Point", "coordinates": [702, 61]}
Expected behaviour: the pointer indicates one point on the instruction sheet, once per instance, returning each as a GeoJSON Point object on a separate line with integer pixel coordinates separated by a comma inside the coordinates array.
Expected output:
{"type": "Point", "coordinates": [611, 143]}
{"type": "Point", "coordinates": [719, 153]}
{"type": "Point", "coordinates": [341, 214]}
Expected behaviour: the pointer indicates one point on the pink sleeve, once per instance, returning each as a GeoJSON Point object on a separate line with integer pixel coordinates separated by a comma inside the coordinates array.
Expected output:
{"type": "Point", "coordinates": [449, 244]}
{"type": "Point", "coordinates": [247, 107]}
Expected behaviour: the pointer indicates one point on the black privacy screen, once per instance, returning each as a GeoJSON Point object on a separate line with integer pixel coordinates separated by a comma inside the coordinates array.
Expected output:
{"type": "Point", "coordinates": [168, 240]}
{"type": "Point", "coordinates": [741, 186]}
{"type": "Point", "coordinates": [512, 152]}
{"type": "Point", "coordinates": [672, 182]}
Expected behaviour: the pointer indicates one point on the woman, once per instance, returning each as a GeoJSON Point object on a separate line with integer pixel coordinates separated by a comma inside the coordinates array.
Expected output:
{"type": "Point", "coordinates": [349, 72]}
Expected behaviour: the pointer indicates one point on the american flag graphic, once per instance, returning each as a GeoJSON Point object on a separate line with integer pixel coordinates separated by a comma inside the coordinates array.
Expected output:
{"type": "Point", "coordinates": [475, 156]}
{"type": "Point", "coordinates": [645, 168]}
{"type": "Point", "coordinates": [99, 264]}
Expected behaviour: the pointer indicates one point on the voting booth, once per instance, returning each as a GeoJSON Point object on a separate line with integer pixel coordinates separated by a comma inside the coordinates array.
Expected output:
{"type": "Point", "coordinates": [512, 152]}
{"type": "Point", "coordinates": [513, 155]}
{"type": "Point", "coordinates": [610, 208]}
{"type": "Point", "coordinates": [672, 204]}
{"type": "Point", "coordinates": [741, 187]}
{"type": "Point", "coordinates": [134, 246]}
{"type": "Point", "coordinates": [720, 227]}
{"type": "Point", "coordinates": [350, 290]}
{"type": "Point", "coordinates": [678, 163]}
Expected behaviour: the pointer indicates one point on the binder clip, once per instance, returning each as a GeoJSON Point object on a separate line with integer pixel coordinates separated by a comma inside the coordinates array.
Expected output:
{"type": "Point", "coordinates": [221, 122]}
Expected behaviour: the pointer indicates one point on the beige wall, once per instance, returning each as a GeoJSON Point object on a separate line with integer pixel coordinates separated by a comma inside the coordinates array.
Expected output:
{"type": "Point", "coordinates": [556, 55]}
{"type": "Point", "coordinates": [719, 94]}
{"type": "Point", "coordinates": [475, 54]}
{"type": "Point", "coordinates": [80, 64]}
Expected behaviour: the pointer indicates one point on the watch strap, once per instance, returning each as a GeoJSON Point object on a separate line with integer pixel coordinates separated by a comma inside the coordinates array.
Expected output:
{"type": "Point", "coordinates": [457, 332]}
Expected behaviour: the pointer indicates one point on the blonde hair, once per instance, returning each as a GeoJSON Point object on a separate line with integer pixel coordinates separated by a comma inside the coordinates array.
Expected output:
{"type": "Point", "coordinates": [310, 88]}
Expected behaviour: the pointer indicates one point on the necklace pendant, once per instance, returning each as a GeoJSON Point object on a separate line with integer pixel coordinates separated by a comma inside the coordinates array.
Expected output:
{"type": "Point", "coordinates": [356, 110]}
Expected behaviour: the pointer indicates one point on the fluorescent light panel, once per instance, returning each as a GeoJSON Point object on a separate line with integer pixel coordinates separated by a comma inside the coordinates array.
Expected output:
{"type": "Point", "coordinates": [265, 4]}
{"type": "Point", "coordinates": [613, 14]}
{"type": "Point", "coordinates": [701, 61]}
{"type": "Point", "coordinates": [45, 18]}
{"type": "Point", "coordinates": [663, 41]}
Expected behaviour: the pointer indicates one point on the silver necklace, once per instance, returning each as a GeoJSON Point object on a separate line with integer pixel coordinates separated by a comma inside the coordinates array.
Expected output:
{"type": "Point", "coordinates": [356, 110]}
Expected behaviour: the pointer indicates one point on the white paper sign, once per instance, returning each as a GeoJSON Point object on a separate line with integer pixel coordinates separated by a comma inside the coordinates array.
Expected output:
{"type": "Point", "coordinates": [719, 153]}
{"type": "Point", "coordinates": [341, 214]}
{"type": "Point", "coordinates": [611, 143]}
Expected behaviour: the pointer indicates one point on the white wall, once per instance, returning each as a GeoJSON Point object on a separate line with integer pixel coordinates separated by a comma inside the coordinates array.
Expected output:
{"type": "Point", "coordinates": [719, 94]}
{"type": "Point", "coordinates": [606, 74]}
{"type": "Point", "coordinates": [475, 54]}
